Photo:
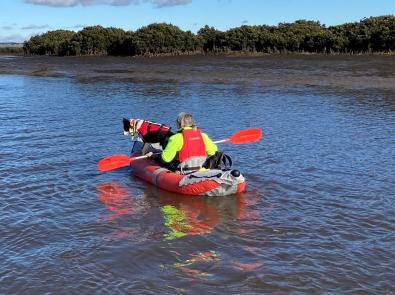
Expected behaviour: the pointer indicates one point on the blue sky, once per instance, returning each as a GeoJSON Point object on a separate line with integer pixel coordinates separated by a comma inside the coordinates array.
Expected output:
{"type": "Point", "coordinates": [20, 19]}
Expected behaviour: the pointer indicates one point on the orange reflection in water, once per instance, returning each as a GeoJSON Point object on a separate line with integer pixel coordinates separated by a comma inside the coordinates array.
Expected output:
{"type": "Point", "coordinates": [115, 198]}
{"type": "Point", "coordinates": [192, 266]}
{"type": "Point", "coordinates": [247, 266]}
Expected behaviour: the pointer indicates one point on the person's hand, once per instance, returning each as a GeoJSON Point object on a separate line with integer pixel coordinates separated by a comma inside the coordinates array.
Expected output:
{"type": "Point", "coordinates": [149, 155]}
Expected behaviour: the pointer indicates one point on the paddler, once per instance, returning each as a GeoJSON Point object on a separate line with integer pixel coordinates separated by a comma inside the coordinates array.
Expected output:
{"type": "Point", "coordinates": [189, 147]}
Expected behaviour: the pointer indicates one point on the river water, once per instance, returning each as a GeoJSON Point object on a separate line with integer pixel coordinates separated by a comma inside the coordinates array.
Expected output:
{"type": "Point", "coordinates": [318, 215]}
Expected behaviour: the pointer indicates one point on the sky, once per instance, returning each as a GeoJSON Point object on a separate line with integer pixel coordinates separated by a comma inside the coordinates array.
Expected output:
{"type": "Point", "coordinates": [21, 19]}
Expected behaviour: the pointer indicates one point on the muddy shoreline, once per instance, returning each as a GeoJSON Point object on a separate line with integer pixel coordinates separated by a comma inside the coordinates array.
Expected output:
{"type": "Point", "coordinates": [347, 72]}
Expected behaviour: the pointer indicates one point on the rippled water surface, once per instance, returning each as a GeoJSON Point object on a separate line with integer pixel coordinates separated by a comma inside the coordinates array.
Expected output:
{"type": "Point", "coordinates": [318, 215]}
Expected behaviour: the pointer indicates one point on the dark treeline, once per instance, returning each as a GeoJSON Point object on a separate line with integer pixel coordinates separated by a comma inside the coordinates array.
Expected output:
{"type": "Point", "coordinates": [370, 35]}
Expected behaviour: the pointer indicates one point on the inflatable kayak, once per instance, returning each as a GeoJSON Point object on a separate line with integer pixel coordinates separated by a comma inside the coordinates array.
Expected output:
{"type": "Point", "coordinates": [212, 182]}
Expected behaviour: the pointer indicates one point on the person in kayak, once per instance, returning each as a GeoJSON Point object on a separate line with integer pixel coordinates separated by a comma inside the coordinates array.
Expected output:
{"type": "Point", "coordinates": [189, 147]}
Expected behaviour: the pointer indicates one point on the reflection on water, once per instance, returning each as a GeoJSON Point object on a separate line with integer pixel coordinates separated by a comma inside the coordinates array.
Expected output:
{"type": "Point", "coordinates": [198, 264]}
{"type": "Point", "coordinates": [182, 215]}
{"type": "Point", "coordinates": [115, 198]}
{"type": "Point", "coordinates": [186, 221]}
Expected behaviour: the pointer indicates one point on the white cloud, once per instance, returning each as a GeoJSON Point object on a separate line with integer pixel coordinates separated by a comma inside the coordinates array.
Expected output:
{"type": "Point", "coordinates": [168, 3]}
{"type": "Point", "coordinates": [69, 3]}
{"type": "Point", "coordinates": [35, 27]}
{"type": "Point", "coordinates": [12, 38]}
{"type": "Point", "coordinates": [79, 26]}
{"type": "Point", "coordinates": [7, 28]}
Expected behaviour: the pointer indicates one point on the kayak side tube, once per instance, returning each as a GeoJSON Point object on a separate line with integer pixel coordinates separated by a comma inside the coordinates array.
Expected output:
{"type": "Point", "coordinates": [210, 183]}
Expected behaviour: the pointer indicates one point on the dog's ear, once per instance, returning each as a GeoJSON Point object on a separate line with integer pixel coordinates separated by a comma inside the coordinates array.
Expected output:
{"type": "Point", "coordinates": [126, 124]}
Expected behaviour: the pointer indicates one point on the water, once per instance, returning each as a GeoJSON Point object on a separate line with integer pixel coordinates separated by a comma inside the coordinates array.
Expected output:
{"type": "Point", "coordinates": [317, 217]}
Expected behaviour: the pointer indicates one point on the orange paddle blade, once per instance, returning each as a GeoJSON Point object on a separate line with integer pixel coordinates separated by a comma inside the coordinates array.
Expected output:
{"type": "Point", "coordinates": [246, 135]}
{"type": "Point", "coordinates": [113, 162]}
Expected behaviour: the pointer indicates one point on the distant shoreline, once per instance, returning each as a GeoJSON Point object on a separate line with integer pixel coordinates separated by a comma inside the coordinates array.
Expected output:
{"type": "Point", "coordinates": [11, 48]}
{"type": "Point", "coordinates": [291, 70]}
{"type": "Point", "coordinates": [19, 52]}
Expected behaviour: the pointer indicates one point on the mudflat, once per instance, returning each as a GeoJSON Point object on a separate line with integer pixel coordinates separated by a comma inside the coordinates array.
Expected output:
{"type": "Point", "coordinates": [340, 71]}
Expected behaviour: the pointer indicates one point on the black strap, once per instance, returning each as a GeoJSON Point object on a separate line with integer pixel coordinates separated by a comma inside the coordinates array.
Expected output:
{"type": "Point", "coordinates": [227, 161]}
{"type": "Point", "coordinates": [212, 176]}
{"type": "Point", "coordinates": [191, 168]}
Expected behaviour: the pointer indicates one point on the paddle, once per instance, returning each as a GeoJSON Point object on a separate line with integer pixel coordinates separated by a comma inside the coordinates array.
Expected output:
{"type": "Point", "coordinates": [119, 160]}
{"type": "Point", "coordinates": [244, 136]}
{"type": "Point", "coordinates": [116, 161]}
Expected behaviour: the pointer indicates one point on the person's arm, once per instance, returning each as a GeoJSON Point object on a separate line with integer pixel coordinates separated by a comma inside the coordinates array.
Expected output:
{"type": "Point", "coordinates": [173, 146]}
{"type": "Point", "coordinates": [211, 147]}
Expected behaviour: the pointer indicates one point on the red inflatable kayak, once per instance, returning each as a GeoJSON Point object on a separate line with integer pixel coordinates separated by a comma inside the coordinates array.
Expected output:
{"type": "Point", "coordinates": [209, 183]}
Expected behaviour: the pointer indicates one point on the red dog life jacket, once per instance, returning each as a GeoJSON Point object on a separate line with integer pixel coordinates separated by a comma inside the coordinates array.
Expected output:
{"type": "Point", "coordinates": [147, 127]}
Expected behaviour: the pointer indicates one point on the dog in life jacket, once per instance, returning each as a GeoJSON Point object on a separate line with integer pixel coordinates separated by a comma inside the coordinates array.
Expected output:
{"type": "Point", "coordinates": [149, 132]}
